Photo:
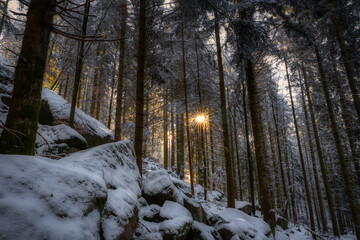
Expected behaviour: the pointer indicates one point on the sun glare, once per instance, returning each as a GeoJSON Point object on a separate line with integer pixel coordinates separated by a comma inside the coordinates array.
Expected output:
{"type": "Point", "coordinates": [200, 119]}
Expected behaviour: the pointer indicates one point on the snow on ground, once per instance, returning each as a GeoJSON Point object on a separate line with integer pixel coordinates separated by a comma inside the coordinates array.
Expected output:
{"type": "Point", "coordinates": [83, 196]}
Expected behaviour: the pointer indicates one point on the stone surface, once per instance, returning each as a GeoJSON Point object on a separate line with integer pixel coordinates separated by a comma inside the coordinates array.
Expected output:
{"type": "Point", "coordinates": [150, 213]}
{"type": "Point", "coordinates": [158, 188]}
{"type": "Point", "coordinates": [200, 231]}
{"type": "Point", "coordinates": [196, 210]}
{"type": "Point", "coordinates": [282, 222]}
{"type": "Point", "coordinates": [56, 110]}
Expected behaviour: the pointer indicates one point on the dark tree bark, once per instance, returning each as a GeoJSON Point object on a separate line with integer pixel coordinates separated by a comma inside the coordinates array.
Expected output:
{"type": "Point", "coordinates": [111, 99]}
{"type": "Point", "coordinates": [349, 186]}
{"type": "Point", "coordinates": [321, 157]}
{"type": "Point", "coordinates": [120, 85]}
{"type": "Point", "coordinates": [140, 86]}
{"type": "Point", "coordinates": [302, 162]}
{"type": "Point", "coordinates": [313, 160]}
{"type": "Point", "coordinates": [183, 64]}
{"type": "Point", "coordinates": [280, 162]}
{"type": "Point", "coordinates": [260, 149]}
{"type": "Point", "coordinates": [224, 120]}
{"type": "Point", "coordinates": [23, 115]}
{"type": "Point", "coordinates": [79, 64]}
{"type": "Point", "coordinates": [248, 152]}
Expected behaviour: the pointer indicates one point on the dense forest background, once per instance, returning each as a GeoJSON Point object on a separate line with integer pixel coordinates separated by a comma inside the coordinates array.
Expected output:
{"type": "Point", "coordinates": [258, 99]}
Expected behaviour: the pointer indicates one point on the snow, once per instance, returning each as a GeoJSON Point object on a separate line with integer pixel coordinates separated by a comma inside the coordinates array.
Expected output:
{"type": "Point", "coordinates": [171, 210]}
{"type": "Point", "coordinates": [42, 199]}
{"type": "Point", "coordinates": [206, 231]}
{"type": "Point", "coordinates": [72, 198]}
{"type": "Point", "coordinates": [244, 229]}
{"type": "Point", "coordinates": [60, 109]}
{"type": "Point", "coordinates": [52, 137]}
{"type": "Point", "coordinates": [54, 134]}
{"type": "Point", "coordinates": [156, 181]}
{"type": "Point", "coordinates": [241, 204]}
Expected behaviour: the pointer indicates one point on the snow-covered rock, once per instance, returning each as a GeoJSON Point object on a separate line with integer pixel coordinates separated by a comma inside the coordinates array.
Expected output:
{"type": "Point", "coordinates": [243, 206]}
{"type": "Point", "coordinates": [240, 229]}
{"type": "Point", "coordinates": [201, 231]}
{"type": "Point", "coordinates": [239, 224]}
{"type": "Point", "coordinates": [52, 138]}
{"type": "Point", "coordinates": [56, 110]}
{"type": "Point", "coordinates": [177, 221]}
{"type": "Point", "coordinates": [196, 210]}
{"type": "Point", "coordinates": [172, 210]}
{"type": "Point", "coordinates": [88, 195]}
{"type": "Point", "coordinates": [150, 213]}
{"type": "Point", "coordinates": [157, 187]}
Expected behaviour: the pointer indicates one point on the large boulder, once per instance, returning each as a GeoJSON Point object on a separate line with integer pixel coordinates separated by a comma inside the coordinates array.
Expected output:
{"type": "Point", "coordinates": [43, 199]}
{"type": "Point", "coordinates": [56, 110]}
{"type": "Point", "coordinates": [238, 223]}
{"type": "Point", "coordinates": [58, 139]}
{"type": "Point", "coordinates": [244, 206]}
{"type": "Point", "coordinates": [88, 195]}
{"type": "Point", "coordinates": [200, 231]}
{"type": "Point", "coordinates": [177, 221]}
{"type": "Point", "coordinates": [157, 187]}
{"type": "Point", "coordinates": [195, 208]}
{"type": "Point", "coordinates": [282, 222]}
{"type": "Point", "coordinates": [242, 229]}
{"type": "Point", "coordinates": [150, 213]}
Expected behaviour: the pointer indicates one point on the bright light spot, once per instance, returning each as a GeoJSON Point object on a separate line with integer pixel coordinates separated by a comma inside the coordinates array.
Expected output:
{"type": "Point", "coordinates": [200, 118]}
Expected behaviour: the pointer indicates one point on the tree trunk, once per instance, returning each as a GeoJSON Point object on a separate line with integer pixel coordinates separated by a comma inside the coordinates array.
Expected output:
{"type": "Point", "coordinates": [280, 162]}
{"type": "Point", "coordinates": [308, 197]}
{"type": "Point", "coordinates": [313, 160]}
{"type": "Point", "coordinates": [111, 100]}
{"type": "Point", "coordinates": [183, 63]}
{"type": "Point", "coordinates": [348, 68]}
{"type": "Point", "coordinates": [79, 64]}
{"type": "Point", "coordinates": [22, 119]}
{"type": "Point", "coordinates": [248, 152]}
{"type": "Point", "coordinates": [93, 92]}
{"type": "Point", "coordinates": [349, 186]}
{"type": "Point", "coordinates": [224, 120]}
{"type": "Point", "coordinates": [140, 86]}
{"type": "Point", "coordinates": [320, 157]}
{"type": "Point", "coordinates": [345, 111]}
{"type": "Point", "coordinates": [165, 132]}
{"type": "Point", "coordinates": [238, 157]}
{"type": "Point", "coordinates": [260, 149]}
{"type": "Point", "coordinates": [120, 85]}
{"type": "Point", "coordinates": [66, 86]}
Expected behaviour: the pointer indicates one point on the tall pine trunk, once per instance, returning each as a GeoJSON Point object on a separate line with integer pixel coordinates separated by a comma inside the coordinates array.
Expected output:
{"type": "Point", "coordinates": [79, 63]}
{"type": "Point", "coordinates": [22, 119]}
{"type": "Point", "coordinates": [140, 86]}
{"type": "Point", "coordinates": [248, 153]}
{"type": "Point", "coordinates": [120, 85]}
{"type": "Point", "coordinates": [349, 186]}
{"type": "Point", "coordinates": [224, 120]}
{"type": "Point", "coordinates": [260, 149]}
{"type": "Point", "coordinates": [302, 162]}
{"type": "Point", "coordinates": [321, 157]}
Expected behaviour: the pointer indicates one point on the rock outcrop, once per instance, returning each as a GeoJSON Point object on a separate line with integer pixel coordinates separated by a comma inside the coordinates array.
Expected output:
{"type": "Point", "coordinates": [56, 110]}
{"type": "Point", "coordinates": [90, 194]}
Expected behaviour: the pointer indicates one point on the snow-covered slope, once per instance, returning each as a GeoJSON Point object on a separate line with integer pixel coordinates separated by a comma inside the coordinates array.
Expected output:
{"type": "Point", "coordinates": [87, 195]}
